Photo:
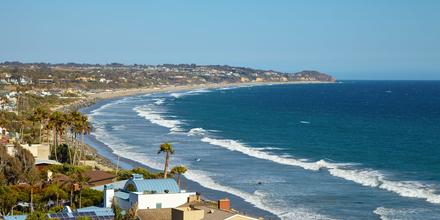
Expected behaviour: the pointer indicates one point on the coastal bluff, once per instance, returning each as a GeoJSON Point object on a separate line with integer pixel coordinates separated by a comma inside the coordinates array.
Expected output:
{"type": "Point", "coordinates": [312, 75]}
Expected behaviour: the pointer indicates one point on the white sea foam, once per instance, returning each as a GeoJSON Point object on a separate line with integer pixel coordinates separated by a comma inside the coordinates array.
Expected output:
{"type": "Point", "coordinates": [119, 147]}
{"type": "Point", "coordinates": [156, 118]}
{"type": "Point", "coordinates": [375, 178]}
{"type": "Point", "coordinates": [268, 148]}
{"type": "Point", "coordinates": [257, 198]}
{"type": "Point", "coordinates": [159, 101]}
{"type": "Point", "coordinates": [192, 92]}
{"type": "Point", "coordinates": [365, 177]}
{"type": "Point", "coordinates": [119, 127]}
{"type": "Point", "coordinates": [237, 146]}
{"type": "Point", "coordinates": [196, 132]}
{"type": "Point", "coordinates": [405, 213]}
{"type": "Point", "coordinates": [122, 149]}
{"type": "Point", "coordinates": [226, 88]}
{"type": "Point", "coordinates": [99, 110]}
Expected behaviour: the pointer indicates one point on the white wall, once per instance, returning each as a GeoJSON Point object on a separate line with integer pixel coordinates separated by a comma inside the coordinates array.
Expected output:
{"type": "Point", "coordinates": [108, 197]}
{"type": "Point", "coordinates": [168, 200]}
{"type": "Point", "coordinates": [40, 151]}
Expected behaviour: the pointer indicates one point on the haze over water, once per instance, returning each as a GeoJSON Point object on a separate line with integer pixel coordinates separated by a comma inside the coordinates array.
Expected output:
{"type": "Point", "coordinates": [351, 150]}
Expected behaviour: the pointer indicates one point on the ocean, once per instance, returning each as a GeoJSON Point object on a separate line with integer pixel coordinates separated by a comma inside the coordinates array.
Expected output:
{"type": "Point", "coordinates": [347, 150]}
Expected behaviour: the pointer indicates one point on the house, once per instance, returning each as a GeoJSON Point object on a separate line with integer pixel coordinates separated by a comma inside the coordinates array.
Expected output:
{"type": "Point", "coordinates": [196, 210]}
{"type": "Point", "coordinates": [147, 194]}
{"type": "Point", "coordinates": [40, 151]}
{"type": "Point", "coordinates": [41, 164]}
{"type": "Point", "coordinates": [98, 177]}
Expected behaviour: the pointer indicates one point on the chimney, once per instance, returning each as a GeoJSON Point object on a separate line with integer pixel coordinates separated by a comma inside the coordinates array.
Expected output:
{"type": "Point", "coordinates": [224, 204]}
{"type": "Point", "coordinates": [109, 194]}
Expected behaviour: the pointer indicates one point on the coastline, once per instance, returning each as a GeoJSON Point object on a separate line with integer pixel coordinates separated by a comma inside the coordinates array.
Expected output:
{"type": "Point", "coordinates": [119, 93]}
{"type": "Point", "coordinates": [107, 158]}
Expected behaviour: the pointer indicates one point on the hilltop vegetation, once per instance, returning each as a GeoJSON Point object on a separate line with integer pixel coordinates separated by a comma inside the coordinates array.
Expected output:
{"type": "Point", "coordinates": [110, 76]}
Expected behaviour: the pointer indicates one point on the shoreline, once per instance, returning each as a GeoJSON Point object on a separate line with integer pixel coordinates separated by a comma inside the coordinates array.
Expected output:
{"type": "Point", "coordinates": [119, 93]}
{"type": "Point", "coordinates": [107, 158]}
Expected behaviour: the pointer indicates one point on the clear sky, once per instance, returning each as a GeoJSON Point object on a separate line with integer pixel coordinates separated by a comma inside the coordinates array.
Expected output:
{"type": "Point", "coordinates": [351, 39]}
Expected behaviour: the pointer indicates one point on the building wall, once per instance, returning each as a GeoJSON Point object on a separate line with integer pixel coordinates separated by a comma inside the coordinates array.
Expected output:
{"type": "Point", "coordinates": [123, 204]}
{"type": "Point", "coordinates": [187, 214]}
{"type": "Point", "coordinates": [40, 151]}
{"type": "Point", "coordinates": [43, 151]}
{"type": "Point", "coordinates": [149, 201]}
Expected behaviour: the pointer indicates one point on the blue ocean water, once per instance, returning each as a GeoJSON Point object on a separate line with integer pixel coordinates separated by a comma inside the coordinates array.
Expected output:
{"type": "Point", "coordinates": [349, 150]}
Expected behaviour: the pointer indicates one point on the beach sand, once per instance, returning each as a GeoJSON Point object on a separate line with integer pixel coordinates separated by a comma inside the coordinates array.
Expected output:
{"type": "Point", "coordinates": [109, 94]}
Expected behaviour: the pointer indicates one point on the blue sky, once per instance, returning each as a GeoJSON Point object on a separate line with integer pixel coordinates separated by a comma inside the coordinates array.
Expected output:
{"type": "Point", "coordinates": [369, 39]}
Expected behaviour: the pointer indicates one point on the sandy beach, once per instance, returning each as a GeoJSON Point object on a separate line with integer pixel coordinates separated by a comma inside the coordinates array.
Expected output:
{"type": "Point", "coordinates": [109, 94]}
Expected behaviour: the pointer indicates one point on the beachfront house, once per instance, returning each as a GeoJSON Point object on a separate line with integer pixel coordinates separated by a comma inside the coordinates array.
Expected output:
{"type": "Point", "coordinates": [146, 193]}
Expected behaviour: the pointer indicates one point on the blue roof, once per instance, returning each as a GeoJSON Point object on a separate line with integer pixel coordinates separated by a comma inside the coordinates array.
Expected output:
{"type": "Point", "coordinates": [15, 217]}
{"type": "Point", "coordinates": [156, 185]}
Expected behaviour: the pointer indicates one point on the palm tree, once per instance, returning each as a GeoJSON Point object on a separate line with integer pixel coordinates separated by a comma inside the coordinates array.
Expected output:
{"type": "Point", "coordinates": [75, 129]}
{"type": "Point", "coordinates": [33, 118]}
{"type": "Point", "coordinates": [57, 121]}
{"type": "Point", "coordinates": [84, 128]}
{"type": "Point", "coordinates": [179, 170]}
{"type": "Point", "coordinates": [166, 148]}
{"type": "Point", "coordinates": [42, 115]}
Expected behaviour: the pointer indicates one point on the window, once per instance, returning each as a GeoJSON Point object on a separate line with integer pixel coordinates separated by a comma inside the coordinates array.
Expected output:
{"type": "Point", "coordinates": [158, 205]}
{"type": "Point", "coordinates": [131, 188]}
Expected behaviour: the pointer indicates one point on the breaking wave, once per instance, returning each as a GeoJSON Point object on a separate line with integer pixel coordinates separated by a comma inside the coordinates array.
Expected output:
{"type": "Point", "coordinates": [257, 198]}
{"type": "Point", "coordinates": [119, 127]}
{"type": "Point", "coordinates": [347, 171]}
{"type": "Point", "coordinates": [155, 117]}
{"type": "Point", "coordinates": [365, 177]}
{"type": "Point", "coordinates": [196, 132]}
{"type": "Point", "coordinates": [192, 92]}
{"type": "Point", "coordinates": [159, 101]}
{"type": "Point", "coordinates": [404, 213]}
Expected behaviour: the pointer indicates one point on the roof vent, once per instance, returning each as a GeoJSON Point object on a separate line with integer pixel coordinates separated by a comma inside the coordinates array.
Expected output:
{"type": "Point", "coordinates": [136, 176]}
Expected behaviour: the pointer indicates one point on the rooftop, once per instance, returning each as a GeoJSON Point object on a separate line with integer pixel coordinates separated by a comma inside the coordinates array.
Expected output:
{"type": "Point", "coordinates": [116, 185]}
{"type": "Point", "coordinates": [139, 184]}
{"type": "Point", "coordinates": [97, 175]}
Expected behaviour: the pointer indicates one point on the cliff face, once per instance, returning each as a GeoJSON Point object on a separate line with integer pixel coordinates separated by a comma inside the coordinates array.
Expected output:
{"type": "Point", "coordinates": [311, 75]}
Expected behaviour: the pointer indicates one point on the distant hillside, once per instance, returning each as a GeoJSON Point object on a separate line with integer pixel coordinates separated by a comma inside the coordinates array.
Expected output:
{"type": "Point", "coordinates": [116, 75]}
{"type": "Point", "coordinates": [312, 75]}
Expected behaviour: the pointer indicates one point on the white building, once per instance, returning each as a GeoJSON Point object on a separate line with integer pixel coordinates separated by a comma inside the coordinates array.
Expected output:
{"type": "Point", "coordinates": [40, 151]}
{"type": "Point", "coordinates": [146, 193]}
